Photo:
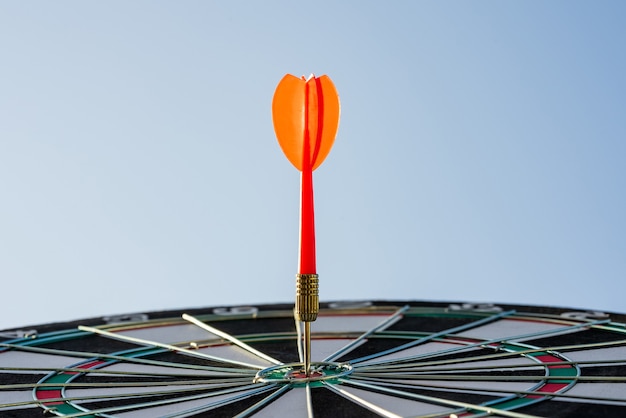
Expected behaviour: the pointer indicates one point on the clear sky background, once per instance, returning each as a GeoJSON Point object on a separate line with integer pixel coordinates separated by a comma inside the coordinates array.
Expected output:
{"type": "Point", "coordinates": [480, 155]}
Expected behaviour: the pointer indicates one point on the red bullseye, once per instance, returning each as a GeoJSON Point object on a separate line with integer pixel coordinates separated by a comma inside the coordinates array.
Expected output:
{"type": "Point", "coordinates": [301, 375]}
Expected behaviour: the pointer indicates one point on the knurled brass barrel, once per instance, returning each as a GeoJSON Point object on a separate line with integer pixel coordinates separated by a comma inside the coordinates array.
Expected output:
{"type": "Point", "coordinates": [307, 297]}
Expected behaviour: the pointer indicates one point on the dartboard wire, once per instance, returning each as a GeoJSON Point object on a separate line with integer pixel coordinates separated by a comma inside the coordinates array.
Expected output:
{"type": "Point", "coordinates": [512, 367]}
{"type": "Point", "coordinates": [113, 396]}
{"type": "Point", "coordinates": [408, 361]}
{"type": "Point", "coordinates": [299, 338]}
{"type": "Point", "coordinates": [205, 408]}
{"type": "Point", "coordinates": [230, 338]}
{"type": "Point", "coordinates": [430, 337]}
{"type": "Point", "coordinates": [134, 360]}
{"type": "Point", "coordinates": [469, 346]}
{"type": "Point", "coordinates": [94, 385]}
{"type": "Point", "coordinates": [240, 393]}
{"type": "Point", "coordinates": [490, 391]}
{"type": "Point", "coordinates": [384, 324]}
{"type": "Point", "coordinates": [464, 378]}
{"type": "Point", "coordinates": [309, 401]}
{"type": "Point", "coordinates": [430, 399]}
{"type": "Point", "coordinates": [106, 372]}
{"type": "Point", "coordinates": [263, 402]}
{"type": "Point", "coordinates": [167, 346]}
{"type": "Point", "coordinates": [360, 401]}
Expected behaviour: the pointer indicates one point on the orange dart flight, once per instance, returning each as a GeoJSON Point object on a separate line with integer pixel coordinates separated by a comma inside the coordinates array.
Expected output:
{"type": "Point", "coordinates": [306, 117]}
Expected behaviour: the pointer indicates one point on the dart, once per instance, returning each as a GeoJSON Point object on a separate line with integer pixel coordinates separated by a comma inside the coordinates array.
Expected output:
{"type": "Point", "coordinates": [305, 112]}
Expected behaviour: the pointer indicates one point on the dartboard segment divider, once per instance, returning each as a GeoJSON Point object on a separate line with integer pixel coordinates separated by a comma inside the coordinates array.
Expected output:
{"type": "Point", "coordinates": [370, 358]}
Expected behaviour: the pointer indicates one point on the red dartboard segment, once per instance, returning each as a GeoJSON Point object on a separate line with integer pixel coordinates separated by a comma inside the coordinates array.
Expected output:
{"type": "Point", "coordinates": [63, 377]}
{"type": "Point", "coordinates": [44, 394]}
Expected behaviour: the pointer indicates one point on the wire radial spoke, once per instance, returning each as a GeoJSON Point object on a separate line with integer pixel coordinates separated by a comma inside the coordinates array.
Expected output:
{"type": "Point", "coordinates": [268, 399]}
{"type": "Point", "coordinates": [408, 361]}
{"type": "Point", "coordinates": [309, 401]}
{"type": "Point", "coordinates": [350, 346]}
{"type": "Point", "coordinates": [126, 359]}
{"type": "Point", "coordinates": [212, 386]}
{"type": "Point", "coordinates": [465, 389]}
{"type": "Point", "coordinates": [507, 367]}
{"type": "Point", "coordinates": [469, 346]}
{"type": "Point", "coordinates": [230, 338]}
{"type": "Point", "coordinates": [431, 337]}
{"type": "Point", "coordinates": [379, 410]}
{"type": "Point", "coordinates": [93, 385]}
{"type": "Point", "coordinates": [104, 371]}
{"type": "Point", "coordinates": [436, 400]}
{"type": "Point", "coordinates": [300, 339]}
{"type": "Point", "coordinates": [167, 346]}
{"type": "Point", "coordinates": [205, 408]}
{"type": "Point", "coordinates": [248, 390]}
{"type": "Point", "coordinates": [465, 377]}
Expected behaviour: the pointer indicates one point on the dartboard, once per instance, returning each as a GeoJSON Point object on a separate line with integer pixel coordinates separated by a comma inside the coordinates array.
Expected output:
{"type": "Point", "coordinates": [369, 359]}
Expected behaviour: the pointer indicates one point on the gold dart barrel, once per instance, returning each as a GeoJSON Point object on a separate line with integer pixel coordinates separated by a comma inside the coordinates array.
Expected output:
{"type": "Point", "coordinates": [307, 297]}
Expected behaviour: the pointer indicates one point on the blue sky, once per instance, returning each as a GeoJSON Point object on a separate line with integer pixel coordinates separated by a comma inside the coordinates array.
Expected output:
{"type": "Point", "coordinates": [480, 154]}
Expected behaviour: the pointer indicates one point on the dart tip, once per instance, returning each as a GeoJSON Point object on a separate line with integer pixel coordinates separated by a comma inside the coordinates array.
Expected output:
{"type": "Point", "coordinates": [307, 349]}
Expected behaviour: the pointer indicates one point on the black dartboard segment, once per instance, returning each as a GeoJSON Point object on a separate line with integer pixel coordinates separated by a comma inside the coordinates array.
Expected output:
{"type": "Point", "coordinates": [374, 358]}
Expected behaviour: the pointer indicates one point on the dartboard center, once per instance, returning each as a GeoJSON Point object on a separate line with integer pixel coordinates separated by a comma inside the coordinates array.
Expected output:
{"type": "Point", "coordinates": [294, 373]}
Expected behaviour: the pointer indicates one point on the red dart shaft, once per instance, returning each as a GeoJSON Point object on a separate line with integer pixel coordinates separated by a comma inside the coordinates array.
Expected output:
{"type": "Point", "coordinates": [307, 224]}
{"type": "Point", "coordinates": [307, 211]}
